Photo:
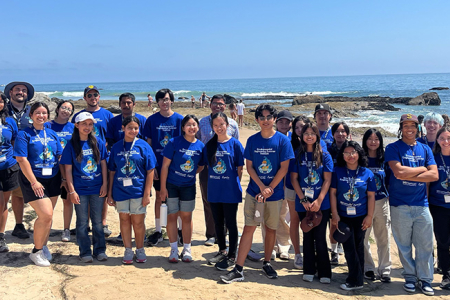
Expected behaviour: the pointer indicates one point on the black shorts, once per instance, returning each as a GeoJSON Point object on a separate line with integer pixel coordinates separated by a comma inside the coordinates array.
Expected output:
{"type": "Point", "coordinates": [9, 178]}
{"type": "Point", "coordinates": [157, 185]}
{"type": "Point", "coordinates": [51, 187]}
{"type": "Point", "coordinates": [63, 193]}
{"type": "Point", "coordinates": [184, 193]}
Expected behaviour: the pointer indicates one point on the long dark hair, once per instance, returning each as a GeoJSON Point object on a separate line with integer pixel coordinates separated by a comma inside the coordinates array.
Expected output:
{"type": "Point", "coordinates": [437, 148]}
{"type": "Point", "coordinates": [36, 105]}
{"type": "Point", "coordinates": [211, 145]}
{"type": "Point", "coordinates": [4, 111]}
{"type": "Point", "coordinates": [186, 119]}
{"type": "Point", "coordinates": [317, 149]}
{"type": "Point", "coordinates": [362, 158]}
{"type": "Point", "coordinates": [92, 142]}
{"type": "Point", "coordinates": [380, 150]}
{"type": "Point", "coordinates": [335, 127]}
{"type": "Point", "coordinates": [295, 139]}
{"type": "Point", "coordinates": [61, 103]}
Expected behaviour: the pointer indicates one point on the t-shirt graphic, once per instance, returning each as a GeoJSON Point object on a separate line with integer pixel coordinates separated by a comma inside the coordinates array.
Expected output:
{"type": "Point", "coordinates": [266, 166]}
{"type": "Point", "coordinates": [90, 166]}
{"type": "Point", "coordinates": [220, 167]}
{"type": "Point", "coordinates": [96, 132]}
{"type": "Point", "coordinates": [130, 167]}
{"type": "Point", "coordinates": [188, 166]}
{"type": "Point", "coordinates": [348, 195]}
{"type": "Point", "coordinates": [165, 139]}
{"type": "Point", "coordinates": [47, 154]}
{"type": "Point", "coordinates": [313, 176]}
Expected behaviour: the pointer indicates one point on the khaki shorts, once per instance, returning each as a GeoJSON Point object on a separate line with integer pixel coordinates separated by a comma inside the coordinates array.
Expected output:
{"type": "Point", "coordinates": [289, 194]}
{"type": "Point", "coordinates": [271, 216]}
{"type": "Point", "coordinates": [17, 192]}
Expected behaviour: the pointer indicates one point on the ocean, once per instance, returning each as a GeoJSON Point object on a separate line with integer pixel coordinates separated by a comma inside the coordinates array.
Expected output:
{"type": "Point", "coordinates": [408, 85]}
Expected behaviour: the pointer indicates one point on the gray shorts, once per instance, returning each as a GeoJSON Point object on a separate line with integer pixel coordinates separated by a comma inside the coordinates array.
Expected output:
{"type": "Point", "coordinates": [289, 194]}
{"type": "Point", "coordinates": [175, 205]}
{"type": "Point", "coordinates": [131, 206]}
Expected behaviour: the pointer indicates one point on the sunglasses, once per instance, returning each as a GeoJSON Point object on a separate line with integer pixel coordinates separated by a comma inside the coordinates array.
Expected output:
{"type": "Point", "coordinates": [92, 95]}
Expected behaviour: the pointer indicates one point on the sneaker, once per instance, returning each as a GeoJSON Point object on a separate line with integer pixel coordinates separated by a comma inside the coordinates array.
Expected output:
{"type": "Point", "coordinates": [119, 238]}
{"type": "Point", "coordinates": [3, 246]}
{"type": "Point", "coordinates": [325, 280]}
{"type": "Point", "coordinates": [65, 236]}
{"type": "Point", "coordinates": [410, 287]}
{"type": "Point", "coordinates": [155, 238]}
{"type": "Point", "coordinates": [445, 284]}
{"type": "Point", "coordinates": [232, 276]}
{"type": "Point", "coordinates": [186, 256]}
{"type": "Point", "coordinates": [218, 257]}
{"type": "Point", "coordinates": [180, 238]}
{"type": "Point", "coordinates": [426, 288]}
{"type": "Point", "coordinates": [173, 258]}
{"type": "Point", "coordinates": [73, 231]}
{"type": "Point", "coordinates": [340, 249]}
{"type": "Point", "coordinates": [87, 259]}
{"type": "Point", "coordinates": [298, 261]}
{"type": "Point", "coordinates": [128, 256]}
{"type": "Point", "coordinates": [269, 271]}
{"type": "Point", "coordinates": [284, 255]}
{"type": "Point", "coordinates": [385, 279]}
{"type": "Point", "coordinates": [102, 257]}
{"type": "Point", "coordinates": [106, 231]}
{"type": "Point", "coordinates": [350, 287]}
{"type": "Point", "coordinates": [141, 257]}
{"type": "Point", "coordinates": [39, 259]}
{"type": "Point", "coordinates": [253, 256]}
{"type": "Point", "coordinates": [210, 242]}
{"type": "Point", "coordinates": [225, 264]}
{"type": "Point", "coordinates": [274, 255]}
{"type": "Point", "coordinates": [20, 232]}
{"type": "Point", "coordinates": [47, 253]}
{"type": "Point", "coordinates": [308, 278]}
{"type": "Point", "coordinates": [334, 259]}
{"type": "Point", "coordinates": [370, 275]}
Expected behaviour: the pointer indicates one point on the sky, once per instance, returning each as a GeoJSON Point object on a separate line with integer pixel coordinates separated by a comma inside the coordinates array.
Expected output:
{"type": "Point", "coordinates": [115, 41]}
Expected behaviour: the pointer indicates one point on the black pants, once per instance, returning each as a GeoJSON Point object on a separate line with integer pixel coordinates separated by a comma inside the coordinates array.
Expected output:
{"type": "Point", "coordinates": [441, 225]}
{"type": "Point", "coordinates": [354, 250]}
{"type": "Point", "coordinates": [209, 220]}
{"type": "Point", "coordinates": [225, 214]}
{"type": "Point", "coordinates": [315, 249]}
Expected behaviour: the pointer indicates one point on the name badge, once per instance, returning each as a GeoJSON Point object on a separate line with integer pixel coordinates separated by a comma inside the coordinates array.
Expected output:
{"type": "Point", "coordinates": [47, 171]}
{"type": "Point", "coordinates": [3, 158]}
{"type": "Point", "coordinates": [447, 198]}
{"type": "Point", "coordinates": [309, 193]}
{"type": "Point", "coordinates": [127, 182]}
{"type": "Point", "coordinates": [351, 211]}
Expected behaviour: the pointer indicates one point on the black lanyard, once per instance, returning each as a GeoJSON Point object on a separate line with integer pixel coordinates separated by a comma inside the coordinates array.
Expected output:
{"type": "Point", "coordinates": [43, 142]}
{"type": "Point", "coordinates": [310, 166]}
{"type": "Point", "coordinates": [127, 155]}
{"type": "Point", "coordinates": [352, 182]}
{"type": "Point", "coordinates": [446, 170]}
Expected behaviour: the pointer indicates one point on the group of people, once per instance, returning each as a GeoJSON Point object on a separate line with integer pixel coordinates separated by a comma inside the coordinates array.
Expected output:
{"type": "Point", "coordinates": [303, 174]}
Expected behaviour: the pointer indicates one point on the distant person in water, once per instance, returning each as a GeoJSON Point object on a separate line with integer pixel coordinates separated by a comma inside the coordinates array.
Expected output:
{"type": "Point", "coordinates": [233, 110]}
{"type": "Point", "coordinates": [150, 100]}
{"type": "Point", "coordinates": [203, 100]}
{"type": "Point", "coordinates": [192, 101]}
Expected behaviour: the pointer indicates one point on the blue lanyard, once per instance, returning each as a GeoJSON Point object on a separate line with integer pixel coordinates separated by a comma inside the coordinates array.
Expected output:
{"type": "Point", "coordinates": [127, 155]}
{"type": "Point", "coordinates": [446, 170]}
{"type": "Point", "coordinates": [43, 142]}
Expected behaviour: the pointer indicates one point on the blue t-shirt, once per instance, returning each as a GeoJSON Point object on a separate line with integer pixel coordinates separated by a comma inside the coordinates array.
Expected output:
{"type": "Point", "coordinates": [379, 171]}
{"type": "Point", "coordinates": [315, 181]}
{"type": "Point", "coordinates": [161, 129]}
{"type": "Point", "coordinates": [115, 132]}
{"type": "Point", "coordinates": [141, 160]}
{"type": "Point", "coordinates": [64, 131]}
{"type": "Point", "coordinates": [102, 116]}
{"type": "Point", "coordinates": [405, 192]}
{"type": "Point", "coordinates": [32, 147]}
{"type": "Point", "coordinates": [186, 157]}
{"type": "Point", "coordinates": [224, 185]}
{"type": "Point", "coordinates": [87, 175]}
{"type": "Point", "coordinates": [327, 137]}
{"type": "Point", "coordinates": [266, 156]}
{"type": "Point", "coordinates": [424, 140]}
{"type": "Point", "coordinates": [364, 183]}
{"type": "Point", "coordinates": [441, 187]}
{"type": "Point", "coordinates": [8, 134]}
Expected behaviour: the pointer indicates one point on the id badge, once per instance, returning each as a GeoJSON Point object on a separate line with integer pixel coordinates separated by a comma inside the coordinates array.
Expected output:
{"type": "Point", "coordinates": [447, 198]}
{"type": "Point", "coordinates": [3, 158]}
{"type": "Point", "coordinates": [351, 210]}
{"type": "Point", "coordinates": [309, 193]}
{"type": "Point", "coordinates": [127, 182]}
{"type": "Point", "coordinates": [47, 171]}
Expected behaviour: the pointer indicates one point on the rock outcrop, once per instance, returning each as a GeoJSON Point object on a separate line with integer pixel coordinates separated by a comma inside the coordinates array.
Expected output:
{"type": "Point", "coordinates": [229, 99]}
{"type": "Point", "coordinates": [41, 97]}
{"type": "Point", "coordinates": [439, 88]}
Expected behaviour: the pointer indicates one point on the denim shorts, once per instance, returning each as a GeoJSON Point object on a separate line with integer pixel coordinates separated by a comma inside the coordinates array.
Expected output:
{"type": "Point", "coordinates": [131, 206]}
{"type": "Point", "coordinates": [183, 193]}
{"type": "Point", "coordinates": [175, 205]}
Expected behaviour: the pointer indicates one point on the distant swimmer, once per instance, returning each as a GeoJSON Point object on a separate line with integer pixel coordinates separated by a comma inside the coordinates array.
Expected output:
{"type": "Point", "coordinates": [192, 101]}
{"type": "Point", "coordinates": [203, 101]}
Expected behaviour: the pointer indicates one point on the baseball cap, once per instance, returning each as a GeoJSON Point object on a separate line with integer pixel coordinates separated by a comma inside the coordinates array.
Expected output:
{"type": "Point", "coordinates": [285, 114]}
{"type": "Point", "coordinates": [311, 220]}
{"type": "Point", "coordinates": [90, 88]}
{"type": "Point", "coordinates": [342, 233]}
{"type": "Point", "coordinates": [409, 117]}
{"type": "Point", "coordinates": [10, 86]}
{"type": "Point", "coordinates": [322, 106]}
{"type": "Point", "coordinates": [83, 116]}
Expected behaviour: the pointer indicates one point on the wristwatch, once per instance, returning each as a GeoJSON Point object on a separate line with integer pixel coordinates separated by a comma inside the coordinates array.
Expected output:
{"type": "Point", "coordinates": [304, 200]}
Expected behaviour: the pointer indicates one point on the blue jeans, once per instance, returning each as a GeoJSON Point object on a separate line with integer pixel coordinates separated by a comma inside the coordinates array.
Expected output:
{"type": "Point", "coordinates": [413, 225]}
{"type": "Point", "coordinates": [95, 203]}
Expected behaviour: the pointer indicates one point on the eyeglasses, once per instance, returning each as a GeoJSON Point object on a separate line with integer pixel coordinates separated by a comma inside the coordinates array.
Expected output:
{"type": "Point", "coordinates": [218, 104]}
{"type": "Point", "coordinates": [164, 100]}
{"type": "Point", "coordinates": [353, 153]}
{"type": "Point", "coordinates": [266, 118]}
{"type": "Point", "coordinates": [66, 109]}
{"type": "Point", "coordinates": [92, 95]}
{"type": "Point", "coordinates": [442, 139]}
{"type": "Point", "coordinates": [309, 134]}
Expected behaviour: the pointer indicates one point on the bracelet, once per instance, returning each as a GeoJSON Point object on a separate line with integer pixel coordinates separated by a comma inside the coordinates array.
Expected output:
{"type": "Point", "coordinates": [33, 183]}
{"type": "Point", "coordinates": [304, 200]}
{"type": "Point", "coordinates": [72, 193]}
{"type": "Point", "coordinates": [63, 179]}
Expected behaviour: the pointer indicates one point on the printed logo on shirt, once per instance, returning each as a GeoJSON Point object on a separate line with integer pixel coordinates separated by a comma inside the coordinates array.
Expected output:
{"type": "Point", "coordinates": [314, 177]}
{"type": "Point", "coordinates": [47, 154]}
{"type": "Point", "coordinates": [96, 132]}
{"type": "Point", "coordinates": [130, 167]}
{"type": "Point", "coordinates": [348, 195]}
{"type": "Point", "coordinates": [165, 139]}
{"type": "Point", "coordinates": [188, 166]}
{"type": "Point", "coordinates": [266, 166]}
{"type": "Point", "coordinates": [378, 181]}
{"type": "Point", "coordinates": [445, 184]}
{"type": "Point", "coordinates": [91, 166]}
{"type": "Point", "coordinates": [220, 167]}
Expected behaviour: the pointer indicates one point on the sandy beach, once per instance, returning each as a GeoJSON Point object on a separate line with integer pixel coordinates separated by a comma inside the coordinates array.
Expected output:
{"type": "Point", "coordinates": [68, 278]}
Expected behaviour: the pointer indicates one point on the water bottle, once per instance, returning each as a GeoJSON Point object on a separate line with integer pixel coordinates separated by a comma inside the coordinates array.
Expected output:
{"type": "Point", "coordinates": [163, 214]}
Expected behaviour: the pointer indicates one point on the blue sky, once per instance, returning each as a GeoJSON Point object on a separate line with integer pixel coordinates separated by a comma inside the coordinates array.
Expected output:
{"type": "Point", "coordinates": [108, 41]}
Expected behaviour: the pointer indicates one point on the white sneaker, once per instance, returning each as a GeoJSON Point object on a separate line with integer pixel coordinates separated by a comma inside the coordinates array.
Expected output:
{"type": "Point", "coordinates": [298, 261]}
{"type": "Point", "coordinates": [274, 255]}
{"type": "Point", "coordinates": [308, 278]}
{"type": "Point", "coordinates": [284, 255]}
{"type": "Point", "coordinates": [47, 253]}
{"type": "Point", "coordinates": [65, 236]}
{"type": "Point", "coordinates": [210, 242]}
{"type": "Point", "coordinates": [325, 280]}
{"type": "Point", "coordinates": [39, 259]}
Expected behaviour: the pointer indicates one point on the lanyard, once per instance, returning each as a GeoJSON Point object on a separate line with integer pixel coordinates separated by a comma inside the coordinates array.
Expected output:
{"type": "Point", "coordinates": [127, 155]}
{"type": "Point", "coordinates": [326, 133]}
{"type": "Point", "coordinates": [310, 166]}
{"type": "Point", "coordinates": [352, 183]}
{"type": "Point", "coordinates": [446, 169]}
{"type": "Point", "coordinates": [43, 142]}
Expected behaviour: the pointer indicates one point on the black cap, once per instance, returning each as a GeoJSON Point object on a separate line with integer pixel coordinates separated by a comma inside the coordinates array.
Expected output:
{"type": "Point", "coordinates": [11, 85]}
{"type": "Point", "coordinates": [285, 114]}
{"type": "Point", "coordinates": [322, 106]}
{"type": "Point", "coordinates": [90, 88]}
{"type": "Point", "coordinates": [342, 233]}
